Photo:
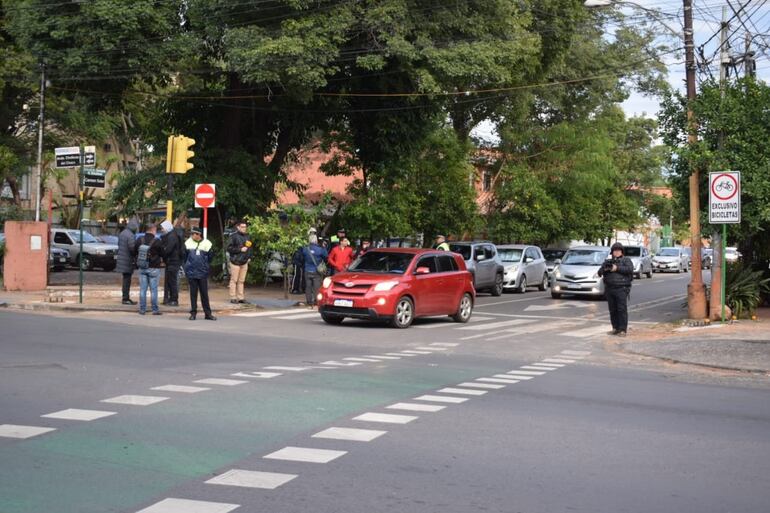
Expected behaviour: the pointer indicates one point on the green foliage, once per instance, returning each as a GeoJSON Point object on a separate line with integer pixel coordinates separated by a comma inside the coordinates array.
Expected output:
{"type": "Point", "coordinates": [743, 289]}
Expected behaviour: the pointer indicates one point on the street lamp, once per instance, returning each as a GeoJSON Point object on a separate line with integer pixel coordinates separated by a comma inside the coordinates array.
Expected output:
{"type": "Point", "coordinates": [696, 291]}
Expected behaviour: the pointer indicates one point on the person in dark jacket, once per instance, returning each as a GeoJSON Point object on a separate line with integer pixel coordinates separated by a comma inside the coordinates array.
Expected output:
{"type": "Point", "coordinates": [197, 265]}
{"type": "Point", "coordinates": [240, 250]}
{"type": "Point", "coordinates": [298, 278]}
{"type": "Point", "coordinates": [149, 268]}
{"type": "Point", "coordinates": [173, 253]}
{"type": "Point", "coordinates": [126, 256]}
{"type": "Point", "coordinates": [313, 254]}
{"type": "Point", "coordinates": [618, 273]}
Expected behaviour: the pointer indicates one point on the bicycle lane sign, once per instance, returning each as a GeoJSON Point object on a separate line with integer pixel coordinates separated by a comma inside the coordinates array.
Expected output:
{"type": "Point", "coordinates": [725, 197]}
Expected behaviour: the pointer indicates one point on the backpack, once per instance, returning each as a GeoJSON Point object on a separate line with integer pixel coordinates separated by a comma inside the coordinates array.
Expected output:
{"type": "Point", "coordinates": [143, 256]}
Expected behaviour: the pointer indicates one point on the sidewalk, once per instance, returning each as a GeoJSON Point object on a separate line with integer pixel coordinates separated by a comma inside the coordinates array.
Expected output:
{"type": "Point", "coordinates": [104, 298]}
{"type": "Point", "coordinates": [742, 346]}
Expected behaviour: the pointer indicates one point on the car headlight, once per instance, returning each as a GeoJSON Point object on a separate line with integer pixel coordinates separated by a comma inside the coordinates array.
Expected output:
{"type": "Point", "coordinates": [557, 272]}
{"type": "Point", "coordinates": [384, 286]}
{"type": "Point", "coordinates": [327, 282]}
{"type": "Point", "coordinates": [512, 269]}
{"type": "Point", "coordinates": [101, 252]}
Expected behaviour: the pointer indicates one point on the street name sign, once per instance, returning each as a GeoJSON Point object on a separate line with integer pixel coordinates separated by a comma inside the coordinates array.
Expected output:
{"type": "Point", "coordinates": [205, 195]}
{"type": "Point", "coordinates": [94, 178]}
{"type": "Point", "coordinates": [725, 197]}
{"type": "Point", "coordinates": [67, 157]}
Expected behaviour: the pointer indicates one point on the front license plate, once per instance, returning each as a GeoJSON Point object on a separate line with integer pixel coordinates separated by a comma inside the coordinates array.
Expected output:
{"type": "Point", "coordinates": [343, 302]}
{"type": "Point", "coordinates": [62, 260]}
{"type": "Point", "coordinates": [574, 287]}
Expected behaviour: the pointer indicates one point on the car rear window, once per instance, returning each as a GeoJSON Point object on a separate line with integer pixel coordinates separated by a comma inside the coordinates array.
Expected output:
{"type": "Point", "coordinates": [446, 263]}
{"type": "Point", "coordinates": [553, 254]}
{"type": "Point", "coordinates": [382, 262]}
{"type": "Point", "coordinates": [632, 251]}
{"type": "Point", "coordinates": [462, 249]}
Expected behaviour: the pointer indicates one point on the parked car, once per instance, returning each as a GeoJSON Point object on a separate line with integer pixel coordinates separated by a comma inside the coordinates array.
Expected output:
{"type": "Point", "coordinates": [95, 253]}
{"type": "Point", "coordinates": [108, 239]}
{"type": "Point", "coordinates": [398, 285]}
{"type": "Point", "coordinates": [687, 250]}
{"type": "Point", "coordinates": [58, 259]}
{"type": "Point", "coordinates": [707, 258]}
{"type": "Point", "coordinates": [578, 272]}
{"type": "Point", "coordinates": [641, 258]}
{"type": "Point", "coordinates": [670, 259]}
{"type": "Point", "coordinates": [732, 255]}
{"type": "Point", "coordinates": [483, 262]}
{"type": "Point", "coordinates": [552, 257]}
{"type": "Point", "coordinates": [524, 267]}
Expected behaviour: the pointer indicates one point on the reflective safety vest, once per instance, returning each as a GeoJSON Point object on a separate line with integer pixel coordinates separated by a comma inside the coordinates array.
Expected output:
{"type": "Point", "coordinates": [443, 247]}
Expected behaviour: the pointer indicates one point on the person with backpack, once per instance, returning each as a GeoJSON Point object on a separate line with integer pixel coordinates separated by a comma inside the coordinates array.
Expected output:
{"type": "Point", "coordinates": [197, 265]}
{"type": "Point", "coordinates": [240, 249]}
{"type": "Point", "coordinates": [173, 255]}
{"type": "Point", "coordinates": [315, 268]}
{"type": "Point", "coordinates": [149, 253]}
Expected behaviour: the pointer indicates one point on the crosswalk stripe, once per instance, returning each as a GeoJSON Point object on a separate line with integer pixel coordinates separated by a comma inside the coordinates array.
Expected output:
{"type": "Point", "coordinates": [443, 324]}
{"type": "Point", "coordinates": [357, 359]}
{"type": "Point", "coordinates": [432, 348]}
{"type": "Point", "coordinates": [576, 353]}
{"type": "Point", "coordinates": [183, 389]}
{"type": "Point", "coordinates": [344, 364]}
{"type": "Point", "coordinates": [512, 376]}
{"type": "Point", "coordinates": [299, 316]}
{"type": "Point", "coordinates": [77, 414]}
{"type": "Point", "coordinates": [550, 365]}
{"type": "Point", "coordinates": [535, 367]}
{"type": "Point", "coordinates": [16, 431]}
{"type": "Point", "coordinates": [461, 391]}
{"type": "Point", "coordinates": [499, 380]}
{"type": "Point", "coordinates": [252, 479]}
{"type": "Point", "coordinates": [530, 329]}
{"type": "Point", "coordinates": [383, 357]}
{"type": "Point", "coordinates": [586, 332]}
{"type": "Point", "coordinates": [352, 434]}
{"type": "Point", "coordinates": [526, 372]}
{"type": "Point", "coordinates": [222, 382]}
{"type": "Point", "coordinates": [387, 418]}
{"type": "Point", "coordinates": [401, 354]}
{"type": "Point", "coordinates": [494, 325]}
{"type": "Point", "coordinates": [446, 344]}
{"type": "Point", "coordinates": [558, 360]}
{"type": "Point", "coordinates": [174, 505]}
{"type": "Point", "coordinates": [134, 400]}
{"type": "Point", "coordinates": [412, 351]}
{"type": "Point", "coordinates": [267, 313]}
{"type": "Point", "coordinates": [283, 368]}
{"type": "Point", "coordinates": [305, 454]}
{"type": "Point", "coordinates": [481, 385]}
{"type": "Point", "coordinates": [441, 399]}
{"type": "Point", "coordinates": [416, 407]}
{"type": "Point", "coordinates": [257, 374]}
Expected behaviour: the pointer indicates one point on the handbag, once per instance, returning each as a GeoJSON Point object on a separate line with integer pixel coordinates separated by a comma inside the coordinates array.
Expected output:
{"type": "Point", "coordinates": [319, 266]}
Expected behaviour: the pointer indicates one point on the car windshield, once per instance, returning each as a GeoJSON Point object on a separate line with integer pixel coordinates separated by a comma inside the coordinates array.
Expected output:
{"type": "Point", "coordinates": [87, 237]}
{"type": "Point", "coordinates": [632, 251]}
{"type": "Point", "coordinates": [668, 252]}
{"type": "Point", "coordinates": [584, 257]}
{"type": "Point", "coordinates": [553, 254]}
{"type": "Point", "coordinates": [509, 255]}
{"type": "Point", "coordinates": [463, 249]}
{"type": "Point", "coordinates": [382, 262]}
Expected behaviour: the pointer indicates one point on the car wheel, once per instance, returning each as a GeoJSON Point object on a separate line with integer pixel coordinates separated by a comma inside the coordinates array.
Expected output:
{"type": "Point", "coordinates": [465, 309]}
{"type": "Point", "coordinates": [497, 290]}
{"type": "Point", "coordinates": [332, 319]}
{"type": "Point", "coordinates": [543, 284]}
{"type": "Point", "coordinates": [555, 295]}
{"type": "Point", "coordinates": [404, 314]}
{"type": "Point", "coordinates": [523, 284]}
{"type": "Point", "coordinates": [86, 264]}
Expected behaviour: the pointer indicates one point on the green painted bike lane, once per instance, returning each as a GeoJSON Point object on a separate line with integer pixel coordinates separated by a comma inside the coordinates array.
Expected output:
{"type": "Point", "coordinates": [117, 463]}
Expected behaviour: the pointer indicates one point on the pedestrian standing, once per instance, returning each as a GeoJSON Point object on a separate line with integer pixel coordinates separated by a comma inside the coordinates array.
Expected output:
{"type": "Point", "coordinates": [197, 265]}
{"type": "Point", "coordinates": [441, 243]}
{"type": "Point", "coordinates": [335, 240]}
{"type": "Point", "coordinates": [240, 250]}
{"type": "Point", "coordinates": [149, 253]}
{"type": "Point", "coordinates": [126, 256]}
{"type": "Point", "coordinates": [173, 254]}
{"type": "Point", "coordinates": [298, 278]}
{"type": "Point", "coordinates": [313, 255]}
{"type": "Point", "coordinates": [618, 274]}
{"type": "Point", "coordinates": [363, 248]}
{"type": "Point", "coordinates": [341, 256]}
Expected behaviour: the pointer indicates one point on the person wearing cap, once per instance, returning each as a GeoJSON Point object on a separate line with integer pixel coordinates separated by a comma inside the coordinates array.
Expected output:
{"type": "Point", "coordinates": [197, 265]}
{"type": "Point", "coordinates": [173, 254]}
{"type": "Point", "coordinates": [335, 240]}
{"type": "Point", "coordinates": [441, 243]}
{"type": "Point", "coordinates": [618, 273]}
{"type": "Point", "coordinates": [240, 250]}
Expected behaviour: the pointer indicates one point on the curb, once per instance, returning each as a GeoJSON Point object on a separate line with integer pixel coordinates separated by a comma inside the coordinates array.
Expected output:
{"type": "Point", "coordinates": [623, 349]}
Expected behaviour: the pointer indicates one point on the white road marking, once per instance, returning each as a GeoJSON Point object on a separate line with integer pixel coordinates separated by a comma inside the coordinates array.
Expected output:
{"type": "Point", "coordinates": [184, 389]}
{"type": "Point", "coordinates": [533, 298]}
{"type": "Point", "coordinates": [299, 316]}
{"type": "Point", "coordinates": [76, 414]}
{"type": "Point", "coordinates": [536, 368]}
{"type": "Point", "coordinates": [412, 351]}
{"type": "Point", "coordinates": [257, 374]}
{"type": "Point", "coordinates": [499, 380]}
{"type": "Point", "coordinates": [441, 399]}
{"type": "Point", "coordinates": [513, 376]}
{"type": "Point", "coordinates": [305, 454]}
{"type": "Point", "coordinates": [481, 385]}
{"type": "Point", "coordinates": [576, 353]}
{"type": "Point", "coordinates": [557, 306]}
{"type": "Point", "coordinates": [282, 368]}
{"type": "Point", "coordinates": [495, 325]}
{"type": "Point", "coordinates": [172, 505]}
{"type": "Point", "coordinates": [383, 357]}
{"type": "Point", "coordinates": [401, 354]}
{"type": "Point", "coordinates": [416, 407]}
{"type": "Point", "coordinates": [432, 348]}
{"type": "Point", "coordinates": [16, 431]}
{"type": "Point", "coordinates": [353, 434]}
{"type": "Point", "coordinates": [356, 359]}
{"type": "Point", "coordinates": [586, 332]}
{"type": "Point", "coordinates": [526, 372]}
{"type": "Point", "coordinates": [135, 400]}
{"type": "Point", "coordinates": [445, 344]}
{"type": "Point", "coordinates": [558, 360]}
{"type": "Point", "coordinates": [252, 479]}
{"type": "Point", "coordinates": [443, 324]}
{"type": "Point", "coordinates": [450, 390]}
{"type": "Point", "coordinates": [221, 381]}
{"type": "Point", "coordinates": [267, 313]}
{"type": "Point", "coordinates": [344, 364]}
{"type": "Point", "coordinates": [533, 328]}
{"type": "Point", "coordinates": [551, 365]}
{"type": "Point", "coordinates": [386, 418]}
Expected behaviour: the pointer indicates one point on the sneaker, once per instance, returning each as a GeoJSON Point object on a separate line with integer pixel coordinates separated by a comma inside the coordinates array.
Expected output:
{"type": "Point", "coordinates": [621, 333]}
{"type": "Point", "coordinates": [211, 318]}
{"type": "Point", "coordinates": [128, 302]}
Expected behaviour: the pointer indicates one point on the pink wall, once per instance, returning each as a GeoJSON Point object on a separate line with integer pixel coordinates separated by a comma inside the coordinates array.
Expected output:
{"type": "Point", "coordinates": [24, 268]}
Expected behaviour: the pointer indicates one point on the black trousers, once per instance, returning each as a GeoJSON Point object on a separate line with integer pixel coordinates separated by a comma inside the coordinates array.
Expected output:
{"type": "Point", "coordinates": [171, 284]}
{"type": "Point", "coordinates": [298, 280]}
{"type": "Point", "coordinates": [127, 286]}
{"type": "Point", "coordinates": [199, 285]}
{"type": "Point", "coordinates": [617, 301]}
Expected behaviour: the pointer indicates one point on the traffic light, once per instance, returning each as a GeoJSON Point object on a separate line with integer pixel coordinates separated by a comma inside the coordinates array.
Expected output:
{"type": "Point", "coordinates": [180, 154]}
{"type": "Point", "coordinates": [170, 153]}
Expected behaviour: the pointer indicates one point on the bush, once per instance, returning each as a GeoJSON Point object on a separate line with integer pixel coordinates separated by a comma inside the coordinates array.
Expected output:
{"type": "Point", "coordinates": [743, 289]}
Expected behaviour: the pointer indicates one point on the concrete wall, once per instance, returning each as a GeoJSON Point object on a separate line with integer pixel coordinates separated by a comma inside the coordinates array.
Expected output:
{"type": "Point", "coordinates": [25, 267]}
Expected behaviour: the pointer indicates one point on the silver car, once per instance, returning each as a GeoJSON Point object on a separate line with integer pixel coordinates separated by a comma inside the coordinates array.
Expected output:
{"type": "Point", "coordinates": [672, 259]}
{"type": "Point", "coordinates": [641, 258]}
{"type": "Point", "coordinates": [578, 272]}
{"type": "Point", "coordinates": [524, 267]}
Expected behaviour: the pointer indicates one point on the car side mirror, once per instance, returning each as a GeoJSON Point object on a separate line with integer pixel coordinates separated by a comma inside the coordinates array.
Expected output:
{"type": "Point", "coordinates": [479, 258]}
{"type": "Point", "coordinates": [422, 270]}
{"type": "Point", "coordinates": [528, 260]}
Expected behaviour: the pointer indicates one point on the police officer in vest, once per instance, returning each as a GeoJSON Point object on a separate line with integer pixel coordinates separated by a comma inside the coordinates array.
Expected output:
{"type": "Point", "coordinates": [441, 243]}
{"type": "Point", "coordinates": [197, 264]}
{"type": "Point", "coordinates": [618, 273]}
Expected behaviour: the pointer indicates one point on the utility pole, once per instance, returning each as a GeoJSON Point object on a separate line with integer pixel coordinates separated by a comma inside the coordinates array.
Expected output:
{"type": "Point", "coordinates": [696, 291]}
{"type": "Point", "coordinates": [41, 122]}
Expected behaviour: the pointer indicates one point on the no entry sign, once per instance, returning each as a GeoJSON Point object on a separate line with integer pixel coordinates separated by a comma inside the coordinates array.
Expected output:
{"type": "Point", "coordinates": [725, 197]}
{"type": "Point", "coordinates": [205, 195]}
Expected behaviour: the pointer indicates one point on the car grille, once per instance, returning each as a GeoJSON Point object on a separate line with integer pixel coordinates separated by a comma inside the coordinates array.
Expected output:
{"type": "Point", "coordinates": [351, 312]}
{"type": "Point", "coordinates": [359, 289]}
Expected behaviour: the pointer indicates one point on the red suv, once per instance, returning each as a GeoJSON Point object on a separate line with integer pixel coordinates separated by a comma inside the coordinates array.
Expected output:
{"type": "Point", "coordinates": [399, 284]}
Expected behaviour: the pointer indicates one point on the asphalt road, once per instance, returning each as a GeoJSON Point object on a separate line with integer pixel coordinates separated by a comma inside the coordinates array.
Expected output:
{"type": "Point", "coordinates": [520, 410]}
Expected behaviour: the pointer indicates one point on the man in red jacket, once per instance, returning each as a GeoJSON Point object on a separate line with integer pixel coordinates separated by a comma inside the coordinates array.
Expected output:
{"type": "Point", "coordinates": [341, 256]}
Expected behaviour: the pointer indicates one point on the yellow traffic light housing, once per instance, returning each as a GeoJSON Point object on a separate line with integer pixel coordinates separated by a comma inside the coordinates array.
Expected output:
{"type": "Point", "coordinates": [178, 154]}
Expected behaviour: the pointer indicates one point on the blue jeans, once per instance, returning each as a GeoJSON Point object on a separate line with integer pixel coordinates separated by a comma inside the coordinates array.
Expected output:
{"type": "Point", "coordinates": [151, 277]}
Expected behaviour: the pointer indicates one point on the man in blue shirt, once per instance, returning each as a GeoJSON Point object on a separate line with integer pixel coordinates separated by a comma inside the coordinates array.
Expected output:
{"type": "Point", "coordinates": [313, 255]}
